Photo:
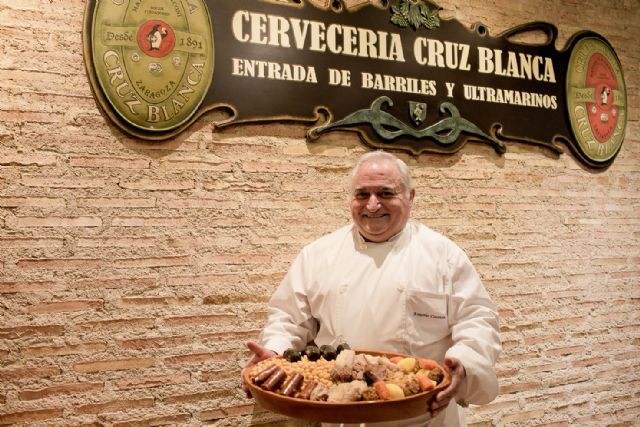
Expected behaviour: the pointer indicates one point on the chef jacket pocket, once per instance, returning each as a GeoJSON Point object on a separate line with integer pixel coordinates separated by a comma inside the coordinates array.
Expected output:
{"type": "Point", "coordinates": [427, 320]}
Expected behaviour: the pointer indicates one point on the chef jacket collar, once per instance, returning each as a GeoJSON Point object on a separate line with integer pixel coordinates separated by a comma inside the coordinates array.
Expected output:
{"type": "Point", "coordinates": [392, 239]}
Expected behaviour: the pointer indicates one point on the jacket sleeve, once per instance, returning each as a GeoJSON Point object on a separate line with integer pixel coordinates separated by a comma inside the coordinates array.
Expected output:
{"type": "Point", "coordinates": [290, 323]}
{"type": "Point", "coordinates": [474, 330]}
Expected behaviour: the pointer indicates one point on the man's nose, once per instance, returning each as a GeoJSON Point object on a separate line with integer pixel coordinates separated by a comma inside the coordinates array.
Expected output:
{"type": "Point", "coordinates": [373, 203]}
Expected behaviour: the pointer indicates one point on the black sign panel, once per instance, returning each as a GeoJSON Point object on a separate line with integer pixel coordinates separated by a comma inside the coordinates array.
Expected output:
{"type": "Point", "coordinates": [400, 76]}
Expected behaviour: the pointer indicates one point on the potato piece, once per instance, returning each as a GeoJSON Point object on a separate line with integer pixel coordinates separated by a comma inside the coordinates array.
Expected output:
{"type": "Point", "coordinates": [422, 373]}
{"type": "Point", "coordinates": [395, 391]}
{"type": "Point", "coordinates": [408, 364]}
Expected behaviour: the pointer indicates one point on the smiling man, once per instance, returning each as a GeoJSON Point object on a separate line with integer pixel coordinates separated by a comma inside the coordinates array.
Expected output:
{"type": "Point", "coordinates": [382, 196]}
{"type": "Point", "coordinates": [388, 283]}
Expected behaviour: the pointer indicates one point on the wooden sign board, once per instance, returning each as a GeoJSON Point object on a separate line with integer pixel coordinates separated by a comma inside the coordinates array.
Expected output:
{"type": "Point", "coordinates": [397, 74]}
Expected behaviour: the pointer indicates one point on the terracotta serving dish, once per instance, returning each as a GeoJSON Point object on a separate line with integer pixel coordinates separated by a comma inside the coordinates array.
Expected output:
{"type": "Point", "coordinates": [349, 412]}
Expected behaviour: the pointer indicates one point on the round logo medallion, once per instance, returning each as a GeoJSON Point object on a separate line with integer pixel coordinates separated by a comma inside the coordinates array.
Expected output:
{"type": "Point", "coordinates": [153, 61]}
{"type": "Point", "coordinates": [156, 39]}
{"type": "Point", "coordinates": [596, 99]}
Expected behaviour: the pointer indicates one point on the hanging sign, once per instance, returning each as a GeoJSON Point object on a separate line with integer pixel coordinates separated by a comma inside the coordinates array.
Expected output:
{"type": "Point", "coordinates": [398, 74]}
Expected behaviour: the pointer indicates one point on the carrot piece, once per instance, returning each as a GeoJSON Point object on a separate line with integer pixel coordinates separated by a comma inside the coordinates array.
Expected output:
{"type": "Point", "coordinates": [425, 383]}
{"type": "Point", "coordinates": [428, 364]}
{"type": "Point", "coordinates": [396, 359]}
{"type": "Point", "coordinates": [381, 389]}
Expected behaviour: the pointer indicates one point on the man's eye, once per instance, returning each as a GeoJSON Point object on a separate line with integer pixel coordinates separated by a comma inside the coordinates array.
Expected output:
{"type": "Point", "coordinates": [386, 194]}
{"type": "Point", "coordinates": [362, 196]}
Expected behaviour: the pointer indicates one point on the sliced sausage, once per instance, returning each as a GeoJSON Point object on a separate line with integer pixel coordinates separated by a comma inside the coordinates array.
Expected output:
{"type": "Point", "coordinates": [274, 380]}
{"type": "Point", "coordinates": [293, 384]}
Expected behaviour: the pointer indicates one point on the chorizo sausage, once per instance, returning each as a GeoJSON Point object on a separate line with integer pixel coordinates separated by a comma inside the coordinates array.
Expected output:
{"type": "Point", "coordinates": [264, 374]}
{"type": "Point", "coordinates": [307, 390]}
{"type": "Point", "coordinates": [293, 384]}
{"type": "Point", "coordinates": [274, 380]}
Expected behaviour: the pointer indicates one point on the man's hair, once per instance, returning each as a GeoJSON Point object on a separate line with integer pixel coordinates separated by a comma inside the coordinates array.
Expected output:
{"type": "Point", "coordinates": [405, 173]}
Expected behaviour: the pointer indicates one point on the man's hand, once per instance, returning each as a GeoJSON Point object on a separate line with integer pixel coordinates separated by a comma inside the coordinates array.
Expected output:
{"type": "Point", "coordinates": [444, 397]}
{"type": "Point", "coordinates": [260, 353]}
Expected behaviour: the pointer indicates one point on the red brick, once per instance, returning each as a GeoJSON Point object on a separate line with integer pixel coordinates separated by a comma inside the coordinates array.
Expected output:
{"type": "Point", "coordinates": [231, 336]}
{"type": "Point", "coordinates": [115, 406]}
{"type": "Point", "coordinates": [18, 332]}
{"type": "Point", "coordinates": [154, 301]}
{"type": "Point", "coordinates": [27, 417]}
{"type": "Point", "coordinates": [38, 202]}
{"type": "Point", "coordinates": [220, 375]}
{"type": "Point", "coordinates": [210, 415]}
{"type": "Point", "coordinates": [198, 359]}
{"type": "Point", "coordinates": [564, 351]}
{"type": "Point", "coordinates": [42, 351]}
{"type": "Point", "coordinates": [523, 416]}
{"type": "Point", "coordinates": [61, 390]}
{"type": "Point", "coordinates": [169, 261]}
{"type": "Point", "coordinates": [235, 299]}
{"type": "Point", "coordinates": [22, 372]}
{"type": "Point", "coordinates": [117, 202]}
{"type": "Point", "coordinates": [7, 159]}
{"type": "Point", "coordinates": [542, 339]}
{"type": "Point", "coordinates": [114, 365]}
{"type": "Point", "coordinates": [31, 242]}
{"type": "Point", "coordinates": [234, 411]}
{"type": "Point", "coordinates": [240, 259]}
{"type": "Point", "coordinates": [30, 116]}
{"type": "Point", "coordinates": [178, 419]}
{"type": "Point", "coordinates": [131, 324]}
{"type": "Point", "coordinates": [196, 397]}
{"type": "Point", "coordinates": [241, 187]}
{"type": "Point", "coordinates": [57, 222]}
{"type": "Point", "coordinates": [210, 319]}
{"type": "Point", "coordinates": [196, 164]}
{"type": "Point", "coordinates": [117, 242]}
{"type": "Point", "coordinates": [150, 381]}
{"type": "Point", "coordinates": [589, 362]}
{"type": "Point", "coordinates": [547, 367]}
{"type": "Point", "coordinates": [54, 182]}
{"type": "Point", "coordinates": [117, 283]}
{"type": "Point", "coordinates": [109, 162]}
{"type": "Point", "coordinates": [148, 222]}
{"type": "Point", "coordinates": [59, 264]}
{"type": "Point", "coordinates": [157, 185]}
{"type": "Point", "coordinates": [258, 315]}
{"type": "Point", "coordinates": [156, 342]}
{"type": "Point", "coordinates": [206, 279]}
{"type": "Point", "coordinates": [65, 306]}
{"type": "Point", "coordinates": [278, 203]}
{"type": "Point", "coordinates": [272, 167]}
{"type": "Point", "coordinates": [30, 287]}
{"type": "Point", "coordinates": [184, 203]}
{"type": "Point", "coordinates": [519, 387]}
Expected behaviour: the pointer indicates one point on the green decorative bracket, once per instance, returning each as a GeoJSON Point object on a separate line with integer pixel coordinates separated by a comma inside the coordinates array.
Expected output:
{"type": "Point", "coordinates": [387, 127]}
{"type": "Point", "coordinates": [415, 13]}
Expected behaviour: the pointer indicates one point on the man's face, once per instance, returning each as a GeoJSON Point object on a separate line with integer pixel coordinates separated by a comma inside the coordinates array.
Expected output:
{"type": "Point", "coordinates": [380, 205]}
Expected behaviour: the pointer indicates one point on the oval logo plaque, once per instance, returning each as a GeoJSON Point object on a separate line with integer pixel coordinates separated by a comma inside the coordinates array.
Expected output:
{"type": "Point", "coordinates": [153, 60]}
{"type": "Point", "coordinates": [596, 99]}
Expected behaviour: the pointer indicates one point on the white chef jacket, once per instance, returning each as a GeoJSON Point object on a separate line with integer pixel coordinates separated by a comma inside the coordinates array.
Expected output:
{"type": "Point", "coordinates": [416, 294]}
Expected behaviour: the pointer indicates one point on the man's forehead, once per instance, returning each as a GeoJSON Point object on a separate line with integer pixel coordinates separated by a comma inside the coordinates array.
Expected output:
{"type": "Point", "coordinates": [388, 180]}
{"type": "Point", "coordinates": [376, 188]}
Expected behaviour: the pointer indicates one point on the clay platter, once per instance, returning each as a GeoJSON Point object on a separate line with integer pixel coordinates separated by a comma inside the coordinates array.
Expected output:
{"type": "Point", "coordinates": [347, 412]}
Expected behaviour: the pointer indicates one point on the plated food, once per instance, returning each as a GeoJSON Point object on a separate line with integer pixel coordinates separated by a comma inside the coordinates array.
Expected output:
{"type": "Point", "coordinates": [343, 385]}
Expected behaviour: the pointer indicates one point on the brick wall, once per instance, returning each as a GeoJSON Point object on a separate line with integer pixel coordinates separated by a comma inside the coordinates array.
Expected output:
{"type": "Point", "coordinates": [131, 273]}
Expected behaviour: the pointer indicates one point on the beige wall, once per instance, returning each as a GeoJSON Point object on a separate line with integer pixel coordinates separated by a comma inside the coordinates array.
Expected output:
{"type": "Point", "coordinates": [131, 273]}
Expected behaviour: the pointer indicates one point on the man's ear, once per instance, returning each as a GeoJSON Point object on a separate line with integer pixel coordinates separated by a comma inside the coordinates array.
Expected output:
{"type": "Point", "coordinates": [412, 194]}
